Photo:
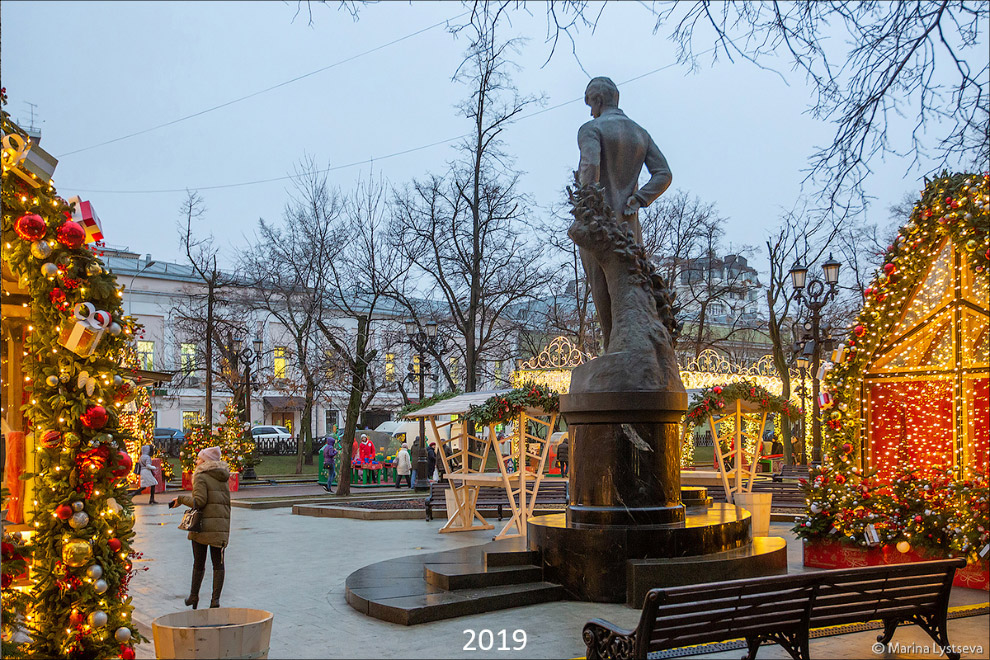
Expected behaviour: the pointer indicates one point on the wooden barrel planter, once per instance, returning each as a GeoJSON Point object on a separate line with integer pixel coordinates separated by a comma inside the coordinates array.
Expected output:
{"type": "Point", "coordinates": [223, 632]}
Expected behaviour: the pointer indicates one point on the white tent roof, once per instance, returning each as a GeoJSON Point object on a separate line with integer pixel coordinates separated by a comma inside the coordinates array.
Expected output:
{"type": "Point", "coordinates": [457, 405]}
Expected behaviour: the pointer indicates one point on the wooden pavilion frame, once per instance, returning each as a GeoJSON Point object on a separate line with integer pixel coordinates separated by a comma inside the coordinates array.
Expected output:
{"type": "Point", "coordinates": [740, 479]}
{"type": "Point", "coordinates": [465, 470]}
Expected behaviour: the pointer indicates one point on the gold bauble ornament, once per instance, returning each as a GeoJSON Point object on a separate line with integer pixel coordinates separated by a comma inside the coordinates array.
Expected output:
{"type": "Point", "coordinates": [76, 552]}
{"type": "Point", "coordinates": [903, 547]}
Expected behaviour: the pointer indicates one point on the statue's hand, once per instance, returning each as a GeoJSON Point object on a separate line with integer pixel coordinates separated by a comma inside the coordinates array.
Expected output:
{"type": "Point", "coordinates": [632, 206]}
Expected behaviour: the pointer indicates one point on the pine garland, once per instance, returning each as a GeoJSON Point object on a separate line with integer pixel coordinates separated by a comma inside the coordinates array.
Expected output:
{"type": "Point", "coordinates": [503, 408]}
{"type": "Point", "coordinates": [81, 463]}
{"type": "Point", "coordinates": [428, 401]}
{"type": "Point", "coordinates": [716, 400]}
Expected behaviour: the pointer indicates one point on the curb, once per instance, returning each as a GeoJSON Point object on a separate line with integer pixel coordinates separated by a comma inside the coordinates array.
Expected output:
{"type": "Point", "coordinates": [325, 511]}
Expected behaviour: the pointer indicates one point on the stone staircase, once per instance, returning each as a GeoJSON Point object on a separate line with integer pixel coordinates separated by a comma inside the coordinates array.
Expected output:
{"type": "Point", "coordinates": [442, 585]}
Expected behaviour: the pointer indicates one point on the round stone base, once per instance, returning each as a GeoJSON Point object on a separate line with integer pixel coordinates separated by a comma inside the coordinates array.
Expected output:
{"type": "Point", "coordinates": [590, 560]}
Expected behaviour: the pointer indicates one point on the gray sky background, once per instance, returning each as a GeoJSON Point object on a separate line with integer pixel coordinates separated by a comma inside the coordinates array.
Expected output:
{"type": "Point", "coordinates": [734, 135]}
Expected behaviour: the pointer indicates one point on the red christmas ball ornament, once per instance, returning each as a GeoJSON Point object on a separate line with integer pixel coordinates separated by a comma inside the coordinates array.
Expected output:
{"type": "Point", "coordinates": [124, 465]}
{"type": "Point", "coordinates": [114, 544]}
{"type": "Point", "coordinates": [889, 268]}
{"type": "Point", "coordinates": [57, 297]}
{"type": "Point", "coordinates": [918, 518]}
{"type": "Point", "coordinates": [847, 448]}
{"type": "Point", "coordinates": [51, 439]}
{"type": "Point", "coordinates": [126, 652]}
{"type": "Point", "coordinates": [717, 389]}
{"type": "Point", "coordinates": [63, 511]}
{"type": "Point", "coordinates": [30, 227]}
{"type": "Point", "coordinates": [840, 479]}
{"type": "Point", "coordinates": [6, 579]}
{"type": "Point", "coordinates": [76, 618]}
{"type": "Point", "coordinates": [95, 417]}
{"type": "Point", "coordinates": [859, 330]}
{"type": "Point", "coordinates": [868, 290]}
{"type": "Point", "coordinates": [71, 234]}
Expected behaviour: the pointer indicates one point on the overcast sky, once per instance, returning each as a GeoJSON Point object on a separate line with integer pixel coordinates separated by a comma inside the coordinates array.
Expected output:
{"type": "Point", "coordinates": [733, 134]}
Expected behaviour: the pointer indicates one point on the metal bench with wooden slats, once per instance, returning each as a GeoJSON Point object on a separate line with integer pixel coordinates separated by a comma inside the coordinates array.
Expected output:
{"type": "Point", "coordinates": [551, 496]}
{"type": "Point", "coordinates": [783, 610]}
{"type": "Point", "coordinates": [791, 473]}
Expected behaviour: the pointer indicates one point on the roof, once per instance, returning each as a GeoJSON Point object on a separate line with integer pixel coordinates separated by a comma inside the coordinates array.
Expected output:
{"type": "Point", "coordinates": [457, 405]}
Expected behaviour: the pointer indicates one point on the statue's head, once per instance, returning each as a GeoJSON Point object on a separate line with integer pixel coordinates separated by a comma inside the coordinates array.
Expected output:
{"type": "Point", "coordinates": [601, 93]}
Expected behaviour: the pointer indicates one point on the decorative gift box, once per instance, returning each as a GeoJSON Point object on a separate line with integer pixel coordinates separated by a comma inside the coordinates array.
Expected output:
{"type": "Point", "coordinates": [85, 214]}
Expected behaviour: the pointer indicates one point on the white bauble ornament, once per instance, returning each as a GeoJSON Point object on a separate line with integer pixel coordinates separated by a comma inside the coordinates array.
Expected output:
{"type": "Point", "coordinates": [903, 547]}
{"type": "Point", "coordinates": [97, 619]}
{"type": "Point", "coordinates": [52, 381]}
{"type": "Point", "coordinates": [117, 380]}
{"type": "Point", "coordinates": [114, 329]}
{"type": "Point", "coordinates": [101, 586]}
{"type": "Point", "coordinates": [78, 506]}
{"type": "Point", "coordinates": [94, 572]}
{"type": "Point", "coordinates": [115, 507]}
{"type": "Point", "coordinates": [49, 269]}
{"type": "Point", "coordinates": [78, 520]}
{"type": "Point", "coordinates": [122, 635]}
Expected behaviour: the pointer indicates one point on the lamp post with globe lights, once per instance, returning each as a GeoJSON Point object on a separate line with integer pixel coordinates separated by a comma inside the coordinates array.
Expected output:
{"type": "Point", "coordinates": [421, 340]}
{"type": "Point", "coordinates": [247, 357]}
{"type": "Point", "coordinates": [814, 295]}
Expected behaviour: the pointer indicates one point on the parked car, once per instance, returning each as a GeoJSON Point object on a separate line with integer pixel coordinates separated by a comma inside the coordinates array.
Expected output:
{"type": "Point", "coordinates": [168, 441]}
{"type": "Point", "coordinates": [270, 432]}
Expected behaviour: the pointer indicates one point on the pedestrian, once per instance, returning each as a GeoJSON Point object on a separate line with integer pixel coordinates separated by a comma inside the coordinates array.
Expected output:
{"type": "Point", "coordinates": [211, 495]}
{"type": "Point", "coordinates": [414, 451]}
{"type": "Point", "coordinates": [146, 474]}
{"type": "Point", "coordinates": [329, 454]}
{"type": "Point", "coordinates": [563, 456]}
{"type": "Point", "coordinates": [403, 466]}
{"type": "Point", "coordinates": [431, 461]}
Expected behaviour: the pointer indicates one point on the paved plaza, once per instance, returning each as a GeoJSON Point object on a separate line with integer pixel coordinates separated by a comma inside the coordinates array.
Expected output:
{"type": "Point", "coordinates": [295, 567]}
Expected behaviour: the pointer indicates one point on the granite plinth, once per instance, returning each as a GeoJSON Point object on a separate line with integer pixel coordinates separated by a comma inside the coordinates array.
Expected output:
{"type": "Point", "coordinates": [589, 560]}
{"type": "Point", "coordinates": [625, 474]}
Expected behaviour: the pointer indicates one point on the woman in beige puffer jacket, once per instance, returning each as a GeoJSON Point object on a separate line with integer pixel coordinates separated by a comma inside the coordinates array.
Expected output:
{"type": "Point", "coordinates": [211, 495]}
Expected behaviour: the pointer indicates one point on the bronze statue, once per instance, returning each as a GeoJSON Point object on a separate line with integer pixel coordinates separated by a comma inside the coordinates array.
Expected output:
{"type": "Point", "coordinates": [614, 149]}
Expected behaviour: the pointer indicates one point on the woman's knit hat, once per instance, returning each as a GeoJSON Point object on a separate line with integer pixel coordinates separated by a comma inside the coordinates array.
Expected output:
{"type": "Point", "coordinates": [210, 454]}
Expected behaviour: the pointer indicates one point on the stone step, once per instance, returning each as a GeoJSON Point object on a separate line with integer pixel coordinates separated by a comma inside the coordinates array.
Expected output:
{"type": "Point", "coordinates": [475, 575]}
{"type": "Point", "coordinates": [510, 552]}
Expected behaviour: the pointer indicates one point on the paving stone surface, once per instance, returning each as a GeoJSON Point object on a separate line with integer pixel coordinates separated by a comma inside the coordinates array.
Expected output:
{"type": "Point", "coordinates": [295, 567]}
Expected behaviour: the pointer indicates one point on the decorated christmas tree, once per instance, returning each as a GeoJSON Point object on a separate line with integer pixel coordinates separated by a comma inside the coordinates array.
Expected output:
{"type": "Point", "coordinates": [236, 444]}
{"type": "Point", "coordinates": [82, 521]}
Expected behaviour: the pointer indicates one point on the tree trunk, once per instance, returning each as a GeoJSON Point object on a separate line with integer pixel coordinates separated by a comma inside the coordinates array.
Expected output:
{"type": "Point", "coordinates": [304, 455]}
{"type": "Point", "coordinates": [353, 406]}
{"type": "Point", "coordinates": [780, 361]}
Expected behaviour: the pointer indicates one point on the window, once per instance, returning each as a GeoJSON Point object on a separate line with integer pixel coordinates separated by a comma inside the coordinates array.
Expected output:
{"type": "Point", "coordinates": [389, 368]}
{"type": "Point", "coordinates": [455, 373]}
{"type": "Point", "coordinates": [146, 355]}
{"type": "Point", "coordinates": [187, 358]}
{"type": "Point", "coordinates": [331, 420]}
{"type": "Point", "coordinates": [278, 361]}
{"type": "Point", "coordinates": [189, 417]}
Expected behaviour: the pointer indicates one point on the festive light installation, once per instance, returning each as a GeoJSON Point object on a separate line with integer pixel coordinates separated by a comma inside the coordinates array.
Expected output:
{"type": "Point", "coordinates": [76, 325]}
{"type": "Point", "coordinates": [906, 458]}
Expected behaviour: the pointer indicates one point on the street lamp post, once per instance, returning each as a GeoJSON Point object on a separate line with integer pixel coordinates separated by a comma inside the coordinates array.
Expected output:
{"type": "Point", "coordinates": [421, 341]}
{"type": "Point", "coordinates": [247, 357]}
{"type": "Point", "coordinates": [802, 362]}
{"type": "Point", "coordinates": [815, 298]}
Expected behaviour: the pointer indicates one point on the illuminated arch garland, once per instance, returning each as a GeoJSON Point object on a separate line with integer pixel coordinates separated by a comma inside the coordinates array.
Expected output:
{"type": "Point", "coordinates": [945, 510]}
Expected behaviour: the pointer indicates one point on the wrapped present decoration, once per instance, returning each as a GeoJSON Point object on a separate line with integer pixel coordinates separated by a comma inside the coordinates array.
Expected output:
{"type": "Point", "coordinates": [823, 370]}
{"type": "Point", "coordinates": [27, 160]}
{"type": "Point", "coordinates": [81, 333]}
{"type": "Point", "coordinates": [825, 400]}
{"type": "Point", "coordinates": [839, 354]}
{"type": "Point", "coordinates": [85, 215]}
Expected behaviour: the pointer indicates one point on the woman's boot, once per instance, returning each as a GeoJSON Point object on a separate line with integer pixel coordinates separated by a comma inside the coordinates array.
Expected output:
{"type": "Point", "coordinates": [197, 580]}
{"type": "Point", "coordinates": [217, 588]}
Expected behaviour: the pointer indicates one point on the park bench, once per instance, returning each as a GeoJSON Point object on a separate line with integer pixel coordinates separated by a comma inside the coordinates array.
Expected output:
{"type": "Point", "coordinates": [784, 610]}
{"type": "Point", "coordinates": [551, 496]}
{"type": "Point", "coordinates": [786, 495]}
{"type": "Point", "coordinates": [791, 473]}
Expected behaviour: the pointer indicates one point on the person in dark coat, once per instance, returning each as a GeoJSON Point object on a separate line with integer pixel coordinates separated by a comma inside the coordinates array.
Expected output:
{"type": "Point", "coordinates": [211, 495]}
{"type": "Point", "coordinates": [431, 460]}
{"type": "Point", "coordinates": [563, 456]}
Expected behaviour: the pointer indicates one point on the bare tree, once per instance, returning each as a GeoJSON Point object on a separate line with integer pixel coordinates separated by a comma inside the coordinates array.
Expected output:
{"type": "Point", "coordinates": [358, 282]}
{"type": "Point", "coordinates": [204, 316]}
{"type": "Point", "coordinates": [868, 64]}
{"type": "Point", "coordinates": [289, 265]}
{"type": "Point", "coordinates": [462, 232]}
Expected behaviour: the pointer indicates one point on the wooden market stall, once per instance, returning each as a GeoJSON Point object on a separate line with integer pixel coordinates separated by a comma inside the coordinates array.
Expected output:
{"type": "Point", "coordinates": [520, 473]}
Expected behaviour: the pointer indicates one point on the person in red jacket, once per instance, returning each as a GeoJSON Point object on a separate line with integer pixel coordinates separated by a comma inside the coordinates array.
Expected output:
{"type": "Point", "coordinates": [367, 450]}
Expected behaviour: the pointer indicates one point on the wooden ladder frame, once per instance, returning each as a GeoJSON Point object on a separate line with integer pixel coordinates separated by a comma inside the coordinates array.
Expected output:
{"type": "Point", "coordinates": [736, 437]}
{"type": "Point", "coordinates": [522, 498]}
{"type": "Point", "coordinates": [462, 518]}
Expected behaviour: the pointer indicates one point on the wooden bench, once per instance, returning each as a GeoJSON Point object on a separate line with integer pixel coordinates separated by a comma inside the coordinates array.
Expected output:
{"type": "Point", "coordinates": [785, 494]}
{"type": "Point", "coordinates": [551, 496]}
{"type": "Point", "coordinates": [792, 473]}
{"type": "Point", "coordinates": [784, 610]}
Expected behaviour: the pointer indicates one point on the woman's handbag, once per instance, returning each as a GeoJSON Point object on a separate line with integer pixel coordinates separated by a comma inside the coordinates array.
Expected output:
{"type": "Point", "coordinates": [191, 520]}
